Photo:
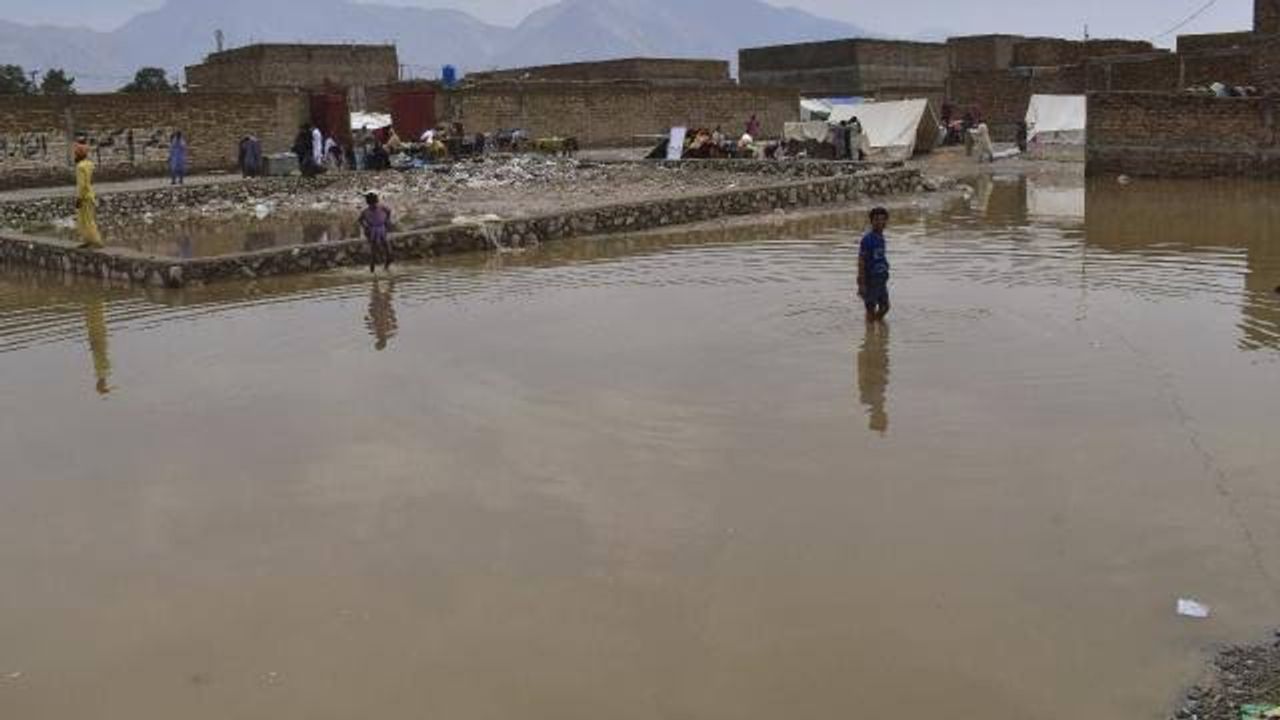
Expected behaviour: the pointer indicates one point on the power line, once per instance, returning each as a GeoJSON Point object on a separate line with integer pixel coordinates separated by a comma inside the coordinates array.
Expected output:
{"type": "Point", "coordinates": [1187, 21]}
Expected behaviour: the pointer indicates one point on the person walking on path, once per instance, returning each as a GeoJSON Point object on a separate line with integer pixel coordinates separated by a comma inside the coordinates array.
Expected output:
{"type": "Point", "coordinates": [86, 200]}
{"type": "Point", "coordinates": [376, 222]}
{"type": "Point", "coordinates": [177, 159]}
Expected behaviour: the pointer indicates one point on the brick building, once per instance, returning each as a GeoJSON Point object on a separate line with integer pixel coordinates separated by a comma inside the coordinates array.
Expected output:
{"type": "Point", "coordinates": [615, 113]}
{"type": "Point", "coordinates": [664, 71]}
{"type": "Point", "coordinates": [128, 134]}
{"type": "Point", "coordinates": [351, 69]}
{"type": "Point", "coordinates": [1162, 131]}
{"type": "Point", "coordinates": [856, 67]}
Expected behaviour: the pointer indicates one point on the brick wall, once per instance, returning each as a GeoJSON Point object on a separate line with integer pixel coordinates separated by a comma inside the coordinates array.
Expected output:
{"type": "Point", "coordinates": [975, 53]}
{"type": "Point", "coordinates": [295, 67]}
{"type": "Point", "coordinates": [845, 67]}
{"type": "Point", "coordinates": [1214, 41]}
{"type": "Point", "coordinates": [1233, 67]}
{"type": "Point", "coordinates": [1047, 52]}
{"type": "Point", "coordinates": [611, 114]}
{"type": "Point", "coordinates": [654, 69]}
{"type": "Point", "coordinates": [1266, 65]}
{"type": "Point", "coordinates": [1154, 72]}
{"type": "Point", "coordinates": [129, 134]}
{"type": "Point", "coordinates": [1181, 135]}
{"type": "Point", "coordinates": [1266, 16]}
{"type": "Point", "coordinates": [1002, 96]}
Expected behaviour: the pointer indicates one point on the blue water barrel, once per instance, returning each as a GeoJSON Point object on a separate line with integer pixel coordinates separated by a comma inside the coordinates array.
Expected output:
{"type": "Point", "coordinates": [449, 75]}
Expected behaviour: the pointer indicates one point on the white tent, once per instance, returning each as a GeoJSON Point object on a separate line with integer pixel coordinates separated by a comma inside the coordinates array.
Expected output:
{"type": "Point", "coordinates": [1056, 120]}
{"type": "Point", "coordinates": [801, 131]}
{"type": "Point", "coordinates": [814, 109]}
{"type": "Point", "coordinates": [895, 130]}
{"type": "Point", "coordinates": [373, 121]}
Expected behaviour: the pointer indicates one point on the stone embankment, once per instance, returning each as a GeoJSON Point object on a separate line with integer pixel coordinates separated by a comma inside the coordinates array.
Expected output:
{"type": "Point", "coordinates": [126, 265]}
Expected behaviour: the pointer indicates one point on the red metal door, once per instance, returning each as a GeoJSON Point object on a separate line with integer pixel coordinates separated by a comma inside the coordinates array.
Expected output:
{"type": "Point", "coordinates": [413, 112]}
{"type": "Point", "coordinates": [329, 113]}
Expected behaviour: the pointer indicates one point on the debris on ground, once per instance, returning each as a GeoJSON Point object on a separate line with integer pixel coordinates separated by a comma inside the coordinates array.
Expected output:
{"type": "Point", "coordinates": [1192, 609]}
{"type": "Point", "coordinates": [1241, 677]}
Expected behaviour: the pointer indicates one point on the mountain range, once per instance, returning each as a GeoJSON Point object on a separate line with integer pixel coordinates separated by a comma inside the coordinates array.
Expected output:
{"type": "Point", "coordinates": [181, 33]}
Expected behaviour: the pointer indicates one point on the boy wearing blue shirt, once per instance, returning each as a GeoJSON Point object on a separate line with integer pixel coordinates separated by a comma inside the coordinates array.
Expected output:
{"type": "Point", "coordinates": [873, 268]}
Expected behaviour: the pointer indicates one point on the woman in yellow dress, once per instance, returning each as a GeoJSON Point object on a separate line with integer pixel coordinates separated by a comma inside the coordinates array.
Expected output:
{"type": "Point", "coordinates": [86, 200]}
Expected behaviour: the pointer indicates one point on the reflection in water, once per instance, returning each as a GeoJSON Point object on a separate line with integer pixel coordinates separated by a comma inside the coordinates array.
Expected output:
{"type": "Point", "coordinates": [1180, 225]}
{"type": "Point", "coordinates": [695, 369]}
{"type": "Point", "coordinates": [873, 375]}
{"type": "Point", "coordinates": [95, 323]}
{"type": "Point", "coordinates": [381, 318]}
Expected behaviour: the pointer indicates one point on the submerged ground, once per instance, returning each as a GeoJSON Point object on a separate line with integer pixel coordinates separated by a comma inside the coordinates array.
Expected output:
{"type": "Point", "coordinates": [668, 475]}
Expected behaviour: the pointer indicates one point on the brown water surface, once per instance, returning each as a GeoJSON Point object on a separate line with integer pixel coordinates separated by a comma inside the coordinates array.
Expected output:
{"type": "Point", "coordinates": [660, 476]}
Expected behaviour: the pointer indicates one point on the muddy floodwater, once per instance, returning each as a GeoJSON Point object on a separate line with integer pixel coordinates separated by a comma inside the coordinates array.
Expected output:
{"type": "Point", "coordinates": [662, 476]}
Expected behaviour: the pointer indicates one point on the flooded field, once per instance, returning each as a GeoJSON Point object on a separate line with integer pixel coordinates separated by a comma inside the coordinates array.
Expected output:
{"type": "Point", "coordinates": [662, 476]}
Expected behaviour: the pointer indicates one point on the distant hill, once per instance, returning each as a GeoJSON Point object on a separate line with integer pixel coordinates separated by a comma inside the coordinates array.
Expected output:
{"type": "Point", "coordinates": [182, 32]}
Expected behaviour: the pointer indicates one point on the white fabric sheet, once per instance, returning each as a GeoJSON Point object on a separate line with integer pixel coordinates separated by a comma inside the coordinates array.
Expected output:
{"type": "Point", "coordinates": [802, 131]}
{"type": "Point", "coordinates": [1057, 119]}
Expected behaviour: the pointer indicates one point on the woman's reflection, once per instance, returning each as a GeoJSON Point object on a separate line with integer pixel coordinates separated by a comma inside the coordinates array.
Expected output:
{"type": "Point", "coordinates": [873, 375]}
{"type": "Point", "coordinates": [381, 318]}
{"type": "Point", "coordinates": [95, 324]}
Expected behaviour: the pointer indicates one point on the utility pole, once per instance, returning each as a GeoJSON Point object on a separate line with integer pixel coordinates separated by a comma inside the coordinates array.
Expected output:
{"type": "Point", "coordinates": [218, 38]}
{"type": "Point", "coordinates": [34, 74]}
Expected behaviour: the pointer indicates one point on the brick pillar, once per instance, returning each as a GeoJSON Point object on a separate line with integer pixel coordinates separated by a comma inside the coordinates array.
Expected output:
{"type": "Point", "coordinates": [1266, 16]}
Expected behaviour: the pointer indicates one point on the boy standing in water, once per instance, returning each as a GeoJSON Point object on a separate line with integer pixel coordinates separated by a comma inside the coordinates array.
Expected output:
{"type": "Point", "coordinates": [375, 221]}
{"type": "Point", "coordinates": [873, 268]}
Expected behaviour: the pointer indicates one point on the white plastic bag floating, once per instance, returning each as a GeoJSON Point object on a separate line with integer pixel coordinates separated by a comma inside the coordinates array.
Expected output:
{"type": "Point", "coordinates": [1192, 609]}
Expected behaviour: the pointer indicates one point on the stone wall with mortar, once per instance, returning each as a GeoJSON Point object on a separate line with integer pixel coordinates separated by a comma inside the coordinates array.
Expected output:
{"type": "Point", "coordinates": [128, 266]}
{"type": "Point", "coordinates": [1181, 135]}
{"type": "Point", "coordinates": [603, 114]}
{"type": "Point", "coordinates": [128, 134]}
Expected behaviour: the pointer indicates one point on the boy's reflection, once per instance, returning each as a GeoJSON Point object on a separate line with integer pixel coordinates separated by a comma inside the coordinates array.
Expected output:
{"type": "Point", "coordinates": [873, 375]}
{"type": "Point", "coordinates": [381, 318]}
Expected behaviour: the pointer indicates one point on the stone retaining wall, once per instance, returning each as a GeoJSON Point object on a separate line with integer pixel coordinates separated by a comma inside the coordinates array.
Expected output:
{"type": "Point", "coordinates": [126, 265]}
{"type": "Point", "coordinates": [787, 168]}
{"type": "Point", "coordinates": [23, 213]}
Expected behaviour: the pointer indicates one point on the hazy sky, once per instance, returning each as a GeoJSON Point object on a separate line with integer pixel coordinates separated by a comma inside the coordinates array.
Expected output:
{"type": "Point", "coordinates": [1123, 18]}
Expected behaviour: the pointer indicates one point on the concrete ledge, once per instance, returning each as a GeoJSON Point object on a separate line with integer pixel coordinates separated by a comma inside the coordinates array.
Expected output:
{"type": "Point", "coordinates": [126, 265]}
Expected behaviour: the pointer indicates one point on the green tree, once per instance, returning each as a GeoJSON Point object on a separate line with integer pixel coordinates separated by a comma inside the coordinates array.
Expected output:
{"type": "Point", "coordinates": [151, 80]}
{"type": "Point", "coordinates": [57, 82]}
{"type": "Point", "coordinates": [14, 81]}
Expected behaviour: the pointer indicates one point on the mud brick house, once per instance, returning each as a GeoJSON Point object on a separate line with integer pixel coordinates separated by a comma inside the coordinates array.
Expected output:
{"type": "Point", "coordinates": [1167, 132]}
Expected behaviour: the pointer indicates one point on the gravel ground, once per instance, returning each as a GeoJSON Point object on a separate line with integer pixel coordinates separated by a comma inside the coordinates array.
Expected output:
{"type": "Point", "coordinates": [1241, 675]}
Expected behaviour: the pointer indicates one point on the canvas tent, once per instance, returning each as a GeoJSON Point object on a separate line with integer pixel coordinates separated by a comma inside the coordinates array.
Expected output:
{"type": "Point", "coordinates": [805, 131]}
{"type": "Point", "coordinates": [895, 130]}
{"type": "Point", "coordinates": [1056, 125]}
{"type": "Point", "coordinates": [813, 109]}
